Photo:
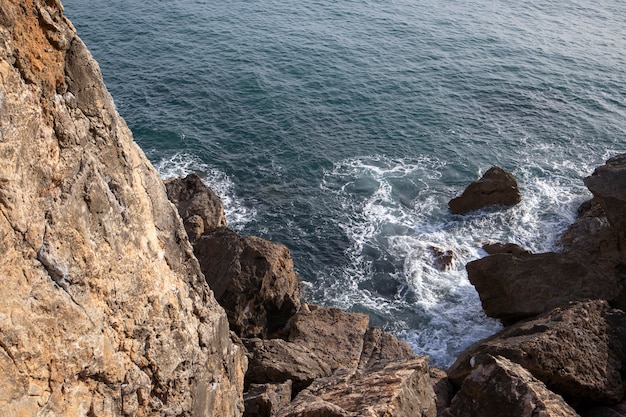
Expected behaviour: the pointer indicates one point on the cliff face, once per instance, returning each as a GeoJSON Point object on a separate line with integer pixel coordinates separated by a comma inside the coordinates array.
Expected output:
{"type": "Point", "coordinates": [103, 308]}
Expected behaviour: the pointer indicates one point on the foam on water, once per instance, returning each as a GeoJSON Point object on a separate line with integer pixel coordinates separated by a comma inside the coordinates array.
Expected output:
{"type": "Point", "coordinates": [396, 213]}
{"type": "Point", "coordinates": [181, 164]}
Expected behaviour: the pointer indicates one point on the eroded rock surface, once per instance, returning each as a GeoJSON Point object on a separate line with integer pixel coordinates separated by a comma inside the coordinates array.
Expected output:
{"type": "Point", "coordinates": [104, 309]}
{"type": "Point", "coordinates": [495, 187]}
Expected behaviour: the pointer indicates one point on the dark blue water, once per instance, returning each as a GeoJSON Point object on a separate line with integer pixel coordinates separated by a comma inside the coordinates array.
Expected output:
{"type": "Point", "coordinates": [341, 129]}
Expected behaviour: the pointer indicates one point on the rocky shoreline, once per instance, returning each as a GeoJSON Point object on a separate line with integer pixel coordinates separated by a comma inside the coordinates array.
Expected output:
{"type": "Point", "coordinates": [110, 292]}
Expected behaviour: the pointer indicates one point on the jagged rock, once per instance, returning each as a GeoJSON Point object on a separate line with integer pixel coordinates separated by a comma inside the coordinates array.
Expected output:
{"type": "Point", "coordinates": [496, 187]}
{"type": "Point", "coordinates": [252, 278]}
{"type": "Point", "coordinates": [443, 388]}
{"type": "Point", "coordinates": [266, 400]}
{"type": "Point", "coordinates": [398, 389]}
{"type": "Point", "coordinates": [277, 361]}
{"type": "Point", "coordinates": [335, 335]}
{"type": "Point", "coordinates": [512, 248]}
{"type": "Point", "coordinates": [443, 259]}
{"type": "Point", "coordinates": [498, 387]}
{"type": "Point", "coordinates": [608, 185]}
{"type": "Point", "coordinates": [200, 208]}
{"type": "Point", "coordinates": [382, 347]}
{"type": "Point", "coordinates": [577, 351]}
{"type": "Point", "coordinates": [513, 287]}
{"type": "Point", "coordinates": [104, 308]}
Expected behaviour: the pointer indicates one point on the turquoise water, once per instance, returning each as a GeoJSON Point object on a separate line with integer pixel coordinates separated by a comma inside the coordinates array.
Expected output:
{"type": "Point", "coordinates": [342, 128]}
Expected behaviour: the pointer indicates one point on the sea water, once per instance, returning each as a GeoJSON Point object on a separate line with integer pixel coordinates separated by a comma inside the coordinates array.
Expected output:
{"type": "Point", "coordinates": [342, 129]}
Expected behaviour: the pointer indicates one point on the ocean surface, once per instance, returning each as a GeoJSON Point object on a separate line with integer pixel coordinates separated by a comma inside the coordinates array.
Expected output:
{"type": "Point", "coordinates": [341, 129]}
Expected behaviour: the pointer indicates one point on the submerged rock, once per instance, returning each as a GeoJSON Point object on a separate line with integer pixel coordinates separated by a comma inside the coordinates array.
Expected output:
{"type": "Point", "coordinates": [495, 187]}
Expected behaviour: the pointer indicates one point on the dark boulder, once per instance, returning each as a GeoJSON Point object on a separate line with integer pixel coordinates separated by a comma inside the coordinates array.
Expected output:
{"type": "Point", "coordinates": [577, 351]}
{"type": "Point", "coordinates": [496, 187]}
{"type": "Point", "coordinates": [511, 248]}
{"type": "Point", "coordinates": [200, 208]}
{"type": "Point", "coordinates": [266, 400]}
{"type": "Point", "coordinates": [252, 278]}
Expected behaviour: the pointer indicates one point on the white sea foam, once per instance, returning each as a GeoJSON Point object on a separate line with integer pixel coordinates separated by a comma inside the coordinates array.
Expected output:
{"type": "Point", "coordinates": [440, 311]}
{"type": "Point", "coordinates": [182, 164]}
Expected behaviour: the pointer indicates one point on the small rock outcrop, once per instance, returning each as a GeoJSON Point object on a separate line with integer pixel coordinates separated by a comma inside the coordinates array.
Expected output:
{"type": "Point", "coordinates": [104, 310]}
{"type": "Point", "coordinates": [201, 209]}
{"type": "Point", "coordinates": [498, 387]}
{"type": "Point", "coordinates": [495, 187]}
{"type": "Point", "coordinates": [555, 348]}
{"type": "Point", "coordinates": [252, 278]}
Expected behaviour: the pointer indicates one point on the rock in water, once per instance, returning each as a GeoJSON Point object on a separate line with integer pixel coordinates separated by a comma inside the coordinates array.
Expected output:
{"type": "Point", "coordinates": [496, 187]}
{"type": "Point", "coordinates": [104, 309]}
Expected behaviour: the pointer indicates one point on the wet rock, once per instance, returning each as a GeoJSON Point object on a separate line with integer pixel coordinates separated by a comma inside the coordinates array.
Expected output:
{"type": "Point", "coordinates": [398, 389]}
{"type": "Point", "coordinates": [277, 361]}
{"type": "Point", "coordinates": [266, 400]}
{"type": "Point", "coordinates": [200, 208]}
{"type": "Point", "coordinates": [495, 187]}
{"type": "Point", "coordinates": [443, 259]}
{"type": "Point", "coordinates": [334, 335]}
{"type": "Point", "coordinates": [513, 287]}
{"type": "Point", "coordinates": [577, 351]}
{"type": "Point", "coordinates": [498, 387]}
{"type": "Point", "coordinates": [252, 278]}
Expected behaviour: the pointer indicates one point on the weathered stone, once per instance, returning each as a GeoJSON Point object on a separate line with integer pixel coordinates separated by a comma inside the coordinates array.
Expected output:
{"type": "Point", "coordinates": [335, 335]}
{"type": "Point", "coordinates": [443, 388]}
{"type": "Point", "coordinates": [200, 208]}
{"type": "Point", "coordinates": [399, 389]}
{"type": "Point", "coordinates": [381, 348]}
{"type": "Point", "coordinates": [608, 185]}
{"type": "Point", "coordinates": [496, 187]}
{"type": "Point", "coordinates": [512, 248]}
{"type": "Point", "coordinates": [252, 278]}
{"type": "Point", "coordinates": [276, 361]}
{"type": "Point", "coordinates": [266, 400]}
{"type": "Point", "coordinates": [577, 351]}
{"type": "Point", "coordinates": [513, 287]}
{"type": "Point", "coordinates": [604, 411]}
{"type": "Point", "coordinates": [104, 309]}
{"type": "Point", "coordinates": [498, 387]}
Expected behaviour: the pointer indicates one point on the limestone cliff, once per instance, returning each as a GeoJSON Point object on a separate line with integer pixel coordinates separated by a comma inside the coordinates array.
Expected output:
{"type": "Point", "coordinates": [103, 308]}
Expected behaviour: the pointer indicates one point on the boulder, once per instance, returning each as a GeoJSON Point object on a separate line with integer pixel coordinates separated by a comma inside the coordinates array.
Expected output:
{"type": "Point", "coordinates": [496, 187]}
{"type": "Point", "coordinates": [443, 388]}
{"type": "Point", "coordinates": [608, 185]}
{"type": "Point", "coordinates": [266, 400]}
{"type": "Point", "coordinates": [334, 335]}
{"type": "Point", "coordinates": [382, 347]}
{"type": "Point", "coordinates": [398, 389]}
{"type": "Point", "coordinates": [618, 410]}
{"type": "Point", "coordinates": [252, 278]}
{"type": "Point", "coordinates": [277, 361]}
{"type": "Point", "coordinates": [498, 387]}
{"type": "Point", "coordinates": [442, 258]}
{"type": "Point", "coordinates": [577, 351]}
{"type": "Point", "coordinates": [200, 208]}
{"type": "Point", "coordinates": [514, 287]}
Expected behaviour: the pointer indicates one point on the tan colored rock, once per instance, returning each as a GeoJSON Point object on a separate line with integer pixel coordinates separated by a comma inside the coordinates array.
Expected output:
{"type": "Point", "coordinates": [498, 387]}
{"type": "Point", "coordinates": [200, 208]}
{"type": "Point", "coordinates": [577, 351]}
{"type": "Point", "coordinates": [381, 348]}
{"type": "Point", "coordinates": [334, 335]}
{"type": "Point", "coordinates": [399, 389]}
{"type": "Point", "coordinates": [104, 309]}
{"type": "Point", "coordinates": [495, 187]}
{"type": "Point", "coordinates": [252, 278]}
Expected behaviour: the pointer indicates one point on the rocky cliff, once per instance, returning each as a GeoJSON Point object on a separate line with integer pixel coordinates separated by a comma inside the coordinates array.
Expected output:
{"type": "Point", "coordinates": [103, 308]}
